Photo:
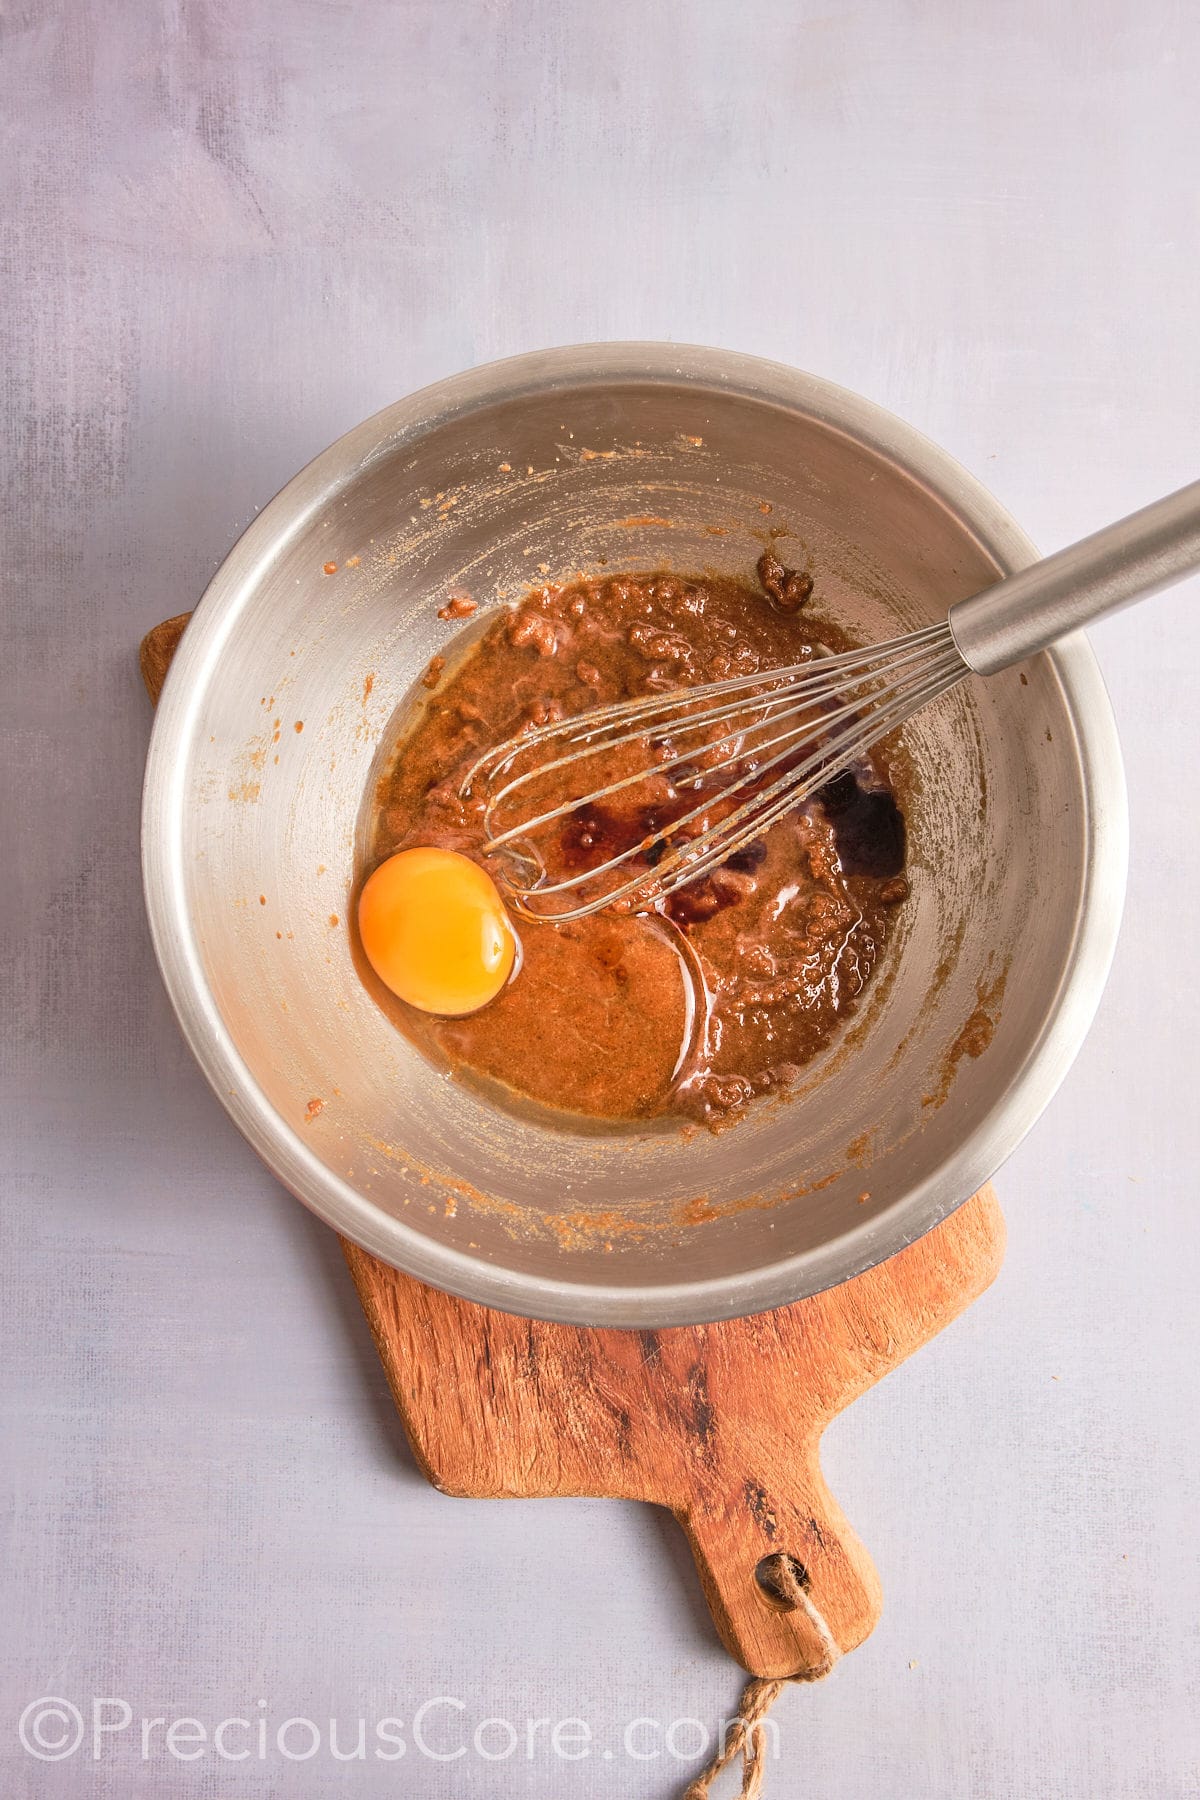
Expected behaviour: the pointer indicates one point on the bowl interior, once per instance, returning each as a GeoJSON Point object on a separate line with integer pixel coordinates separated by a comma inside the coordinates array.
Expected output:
{"type": "Point", "coordinates": [281, 703]}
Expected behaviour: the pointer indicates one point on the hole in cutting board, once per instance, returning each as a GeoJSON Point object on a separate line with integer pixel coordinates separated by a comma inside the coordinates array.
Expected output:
{"type": "Point", "coordinates": [773, 1583]}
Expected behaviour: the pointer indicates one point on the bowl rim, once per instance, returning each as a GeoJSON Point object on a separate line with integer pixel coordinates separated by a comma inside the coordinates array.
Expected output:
{"type": "Point", "coordinates": [335, 1200]}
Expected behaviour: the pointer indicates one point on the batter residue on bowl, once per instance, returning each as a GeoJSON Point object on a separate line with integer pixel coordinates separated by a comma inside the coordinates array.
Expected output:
{"type": "Point", "coordinates": [734, 982]}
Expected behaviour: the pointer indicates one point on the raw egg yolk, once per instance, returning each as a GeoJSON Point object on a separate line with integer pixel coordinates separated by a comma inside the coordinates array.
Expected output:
{"type": "Point", "coordinates": [435, 931]}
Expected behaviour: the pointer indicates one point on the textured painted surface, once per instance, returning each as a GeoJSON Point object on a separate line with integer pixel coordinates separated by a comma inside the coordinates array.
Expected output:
{"type": "Point", "coordinates": [230, 231]}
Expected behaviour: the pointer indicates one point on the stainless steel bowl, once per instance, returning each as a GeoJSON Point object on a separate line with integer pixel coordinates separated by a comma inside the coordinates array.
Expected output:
{"type": "Point", "coordinates": [639, 455]}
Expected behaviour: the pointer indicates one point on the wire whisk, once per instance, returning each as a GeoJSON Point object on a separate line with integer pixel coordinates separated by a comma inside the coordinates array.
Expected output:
{"type": "Point", "coordinates": [750, 749]}
{"type": "Point", "coordinates": [760, 745]}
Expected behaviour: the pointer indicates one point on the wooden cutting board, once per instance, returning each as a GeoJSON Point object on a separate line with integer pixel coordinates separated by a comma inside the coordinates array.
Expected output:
{"type": "Point", "coordinates": [720, 1423]}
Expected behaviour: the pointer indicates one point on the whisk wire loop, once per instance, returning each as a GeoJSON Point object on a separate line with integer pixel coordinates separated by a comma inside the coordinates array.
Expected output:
{"type": "Point", "coordinates": [781, 734]}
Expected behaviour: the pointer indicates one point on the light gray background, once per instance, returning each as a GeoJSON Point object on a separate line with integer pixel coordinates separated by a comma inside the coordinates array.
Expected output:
{"type": "Point", "coordinates": [233, 228]}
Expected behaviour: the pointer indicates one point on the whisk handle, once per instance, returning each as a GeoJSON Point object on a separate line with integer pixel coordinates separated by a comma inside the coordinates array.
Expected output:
{"type": "Point", "coordinates": [1127, 561]}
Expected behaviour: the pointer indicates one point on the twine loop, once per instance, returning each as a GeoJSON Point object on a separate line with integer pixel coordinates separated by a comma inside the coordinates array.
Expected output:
{"type": "Point", "coordinates": [744, 1737]}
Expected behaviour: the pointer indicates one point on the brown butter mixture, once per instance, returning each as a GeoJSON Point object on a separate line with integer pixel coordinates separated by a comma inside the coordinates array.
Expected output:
{"type": "Point", "coordinates": [734, 982]}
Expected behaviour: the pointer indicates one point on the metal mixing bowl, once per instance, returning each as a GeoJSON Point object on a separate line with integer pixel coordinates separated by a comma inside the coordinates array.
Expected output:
{"type": "Point", "coordinates": [624, 456]}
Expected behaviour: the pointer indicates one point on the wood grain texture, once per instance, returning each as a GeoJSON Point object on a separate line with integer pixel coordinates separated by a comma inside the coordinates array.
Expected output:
{"type": "Point", "coordinates": [157, 649]}
{"type": "Point", "coordinates": [721, 1423]}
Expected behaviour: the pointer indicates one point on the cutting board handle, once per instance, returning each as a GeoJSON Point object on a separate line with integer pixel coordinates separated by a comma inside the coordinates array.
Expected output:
{"type": "Point", "coordinates": [734, 1539]}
